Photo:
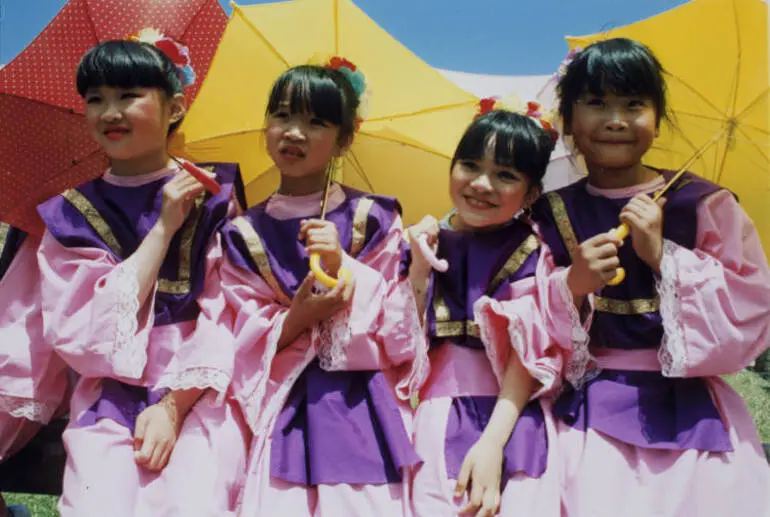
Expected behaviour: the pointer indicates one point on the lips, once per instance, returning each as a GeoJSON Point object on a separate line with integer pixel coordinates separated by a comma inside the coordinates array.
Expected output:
{"type": "Point", "coordinates": [291, 151]}
{"type": "Point", "coordinates": [478, 204]}
{"type": "Point", "coordinates": [115, 133]}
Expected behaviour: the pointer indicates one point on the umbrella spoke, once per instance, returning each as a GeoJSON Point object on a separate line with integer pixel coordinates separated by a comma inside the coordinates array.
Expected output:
{"type": "Point", "coordinates": [237, 10]}
{"type": "Point", "coordinates": [356, 164]}
{"type": "Point", "coordinates": [695, 92]}
{"type": "Point", "coordinates": [753, 103]}
{"type": "Point", "coordinates": [403, 143]}
{"type": "Point", "coordinates": [423, 111]}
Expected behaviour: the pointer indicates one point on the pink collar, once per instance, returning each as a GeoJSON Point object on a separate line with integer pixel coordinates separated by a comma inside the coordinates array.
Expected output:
{"type": "Point", "coordinates": [141, 179]}
{"type": "Point", "coordinates": [284, 207]}
{"type": "Point", "coordinates": [626, 192]}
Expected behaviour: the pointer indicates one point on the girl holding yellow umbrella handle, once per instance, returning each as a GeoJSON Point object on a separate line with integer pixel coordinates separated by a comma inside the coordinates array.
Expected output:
{"type": "Point", "coordinates": [316, 371]}
{"type": "Point", "coordinates": [648, 424]}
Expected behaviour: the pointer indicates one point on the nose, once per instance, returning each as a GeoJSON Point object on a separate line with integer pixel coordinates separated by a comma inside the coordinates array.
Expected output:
{"type": "Point", "coordinates": [111, 113]}
{"type": "Point", "coordinates": [294, 133]}
{"type": "Point", "coordinates": [482, 183]}
{"type": "Point", "coordinates": [616, 120]}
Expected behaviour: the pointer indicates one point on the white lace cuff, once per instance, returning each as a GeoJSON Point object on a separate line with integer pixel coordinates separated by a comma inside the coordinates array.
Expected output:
{"type": "Point", "coordinates": [202, 377]}
{"type": "Point", "coordinates": [418, 373]}
{"type": "Point", "coordinates": [672, 353]}
{"type": "Point", "coordinates": [128, 356]}
{"type": "Point", "coordinates": [331, 339]}
{"type": "Point", "coordinates": [581, 367]}
{"type": "Point", "coordinates": [28, 409]}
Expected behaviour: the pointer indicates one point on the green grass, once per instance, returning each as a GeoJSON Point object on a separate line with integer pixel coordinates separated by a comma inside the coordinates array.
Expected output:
{"type": "Point", "coordinates": [754, 388]}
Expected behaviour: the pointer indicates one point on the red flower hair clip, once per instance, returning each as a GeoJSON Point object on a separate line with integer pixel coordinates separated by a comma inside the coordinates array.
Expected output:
{"type": "Point", "coordinates": [176, 52]}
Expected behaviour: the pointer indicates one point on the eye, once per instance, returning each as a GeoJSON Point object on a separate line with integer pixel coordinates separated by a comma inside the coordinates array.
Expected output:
{"type": "Point", "coordinates": [315, 121]}
{"type": "Point", "coordinates": [93, 99]}
{"type": "Point", "coordinates": [507, 176]}
{"type": "Point", "coordinates": [129, 95]}
{"type": "Point", "coordinates": [280, 115]}
{"type": "Point", "coordinates": [469, 165]}
{"type": "Point", "coordinates": [637, 103]}
{"type": "Point", "coordinates": [597, 102]}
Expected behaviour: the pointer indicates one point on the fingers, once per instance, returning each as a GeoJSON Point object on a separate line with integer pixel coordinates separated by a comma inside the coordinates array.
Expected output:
{"type": "Point", "coordinates": [306, 287]}
{"type": "Point", "coordinates": [314, 224]}
{"type": "Point", "coordinates": [475, 500]}
{"type": "Point", "coordinates": [603, 238]}
{"type": "Point", "coordinates": [144, 455]}
{"type": "Point", "coordinates": [139, 430]}
{"type": "Point", "coordinates": [463, 478]}
{"type": "Point", "coordinates": [490, 503]}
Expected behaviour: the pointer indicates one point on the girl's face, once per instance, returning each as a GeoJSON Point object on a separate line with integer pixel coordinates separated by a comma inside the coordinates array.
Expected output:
{"type": "Point", "coordinates": [300, 144]}
{"type": "Point", "coordinates": [131, 123]}
{"type": "Point", "coordinates": [485, 193]}
{"type": "Point", "coordinates": [613, 131]}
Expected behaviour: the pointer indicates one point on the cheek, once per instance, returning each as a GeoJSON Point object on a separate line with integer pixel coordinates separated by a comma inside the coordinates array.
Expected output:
{"type": "Point", "coordinates": [457, 183]}
{"type": "Point", "coordinates": [513, 198]}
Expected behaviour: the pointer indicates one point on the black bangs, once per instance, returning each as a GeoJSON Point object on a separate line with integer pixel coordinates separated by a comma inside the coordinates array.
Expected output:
{"type": "Point", "coordinates": [127, 64]}
{"type": "Point", "coordinates": [324, 92]}
{"type": "Point", "coordinates": [519, 143]}
{"type": "Point", "coordinates": [621, 66]}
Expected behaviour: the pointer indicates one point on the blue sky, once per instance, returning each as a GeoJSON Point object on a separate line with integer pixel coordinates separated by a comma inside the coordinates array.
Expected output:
{"type": "Point", "coordinates": [513, 37]}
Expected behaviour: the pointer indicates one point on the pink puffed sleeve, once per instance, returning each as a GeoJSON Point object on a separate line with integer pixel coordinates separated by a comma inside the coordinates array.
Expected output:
{"type": "Point", "coordinates": [205, 358]}
{"type": "Point", "coordinates": [715, 299]}
{"type": "Point", "coordinates": [517, 325]}
{"type": "Point", "coordinates": [91, 311]}
{"type": "Point", "coordinates": [564, 323]}
{"type": "Point", "coordinates": [256, 324]}
{"type": "Point", "coordinates": [381, 328]}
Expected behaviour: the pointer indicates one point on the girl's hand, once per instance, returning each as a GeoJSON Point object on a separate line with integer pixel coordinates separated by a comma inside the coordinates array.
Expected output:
{"type": "Point", "coordinates": [178, 199]}
{"type": "Point", "coordinates": [593, 264]}
{"type": "Point", "coordinates": [321, 237]}
{"type": "Point", "coordinates": [644, 218]}
{"type": "Point", "coordinates": [308, 308]}
{"type": "Point", "coordinates": [428, 226]}
{"type": "Point", "coordinates": [157, 428]}
{"type": "Point", "coordinates": [482, 469]}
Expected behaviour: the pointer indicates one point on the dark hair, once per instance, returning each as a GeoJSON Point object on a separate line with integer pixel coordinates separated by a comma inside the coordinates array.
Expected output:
{"type": "Point", "coordinates": [619, 65]}
{"type": "Point", "coordinates": [519, 143]}
{"type": "Point", "coordinates": [324, 92]}
{"type": "Point", "coordinates": [129, 64]}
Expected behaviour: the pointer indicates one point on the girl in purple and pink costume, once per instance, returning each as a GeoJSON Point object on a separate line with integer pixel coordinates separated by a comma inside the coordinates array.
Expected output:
{"type": "Point", "coordinates": [648, 427]}
{"type": "Point", "coordinates": [132, 302]}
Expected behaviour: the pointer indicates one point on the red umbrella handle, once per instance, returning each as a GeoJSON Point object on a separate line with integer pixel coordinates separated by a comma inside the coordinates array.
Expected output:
{"type": "Point", "coordinates": [200, 175]}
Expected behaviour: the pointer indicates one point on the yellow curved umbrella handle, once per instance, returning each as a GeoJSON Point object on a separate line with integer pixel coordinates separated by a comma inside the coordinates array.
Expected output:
{"type": "Point", "coordinates": [323, 277]}
{"type": "Point", "coordinates": [622, 232]}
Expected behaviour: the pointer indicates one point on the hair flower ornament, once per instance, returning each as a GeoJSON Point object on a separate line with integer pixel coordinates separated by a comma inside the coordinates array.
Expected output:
{"type": "Point", "coordinates": [178, 54]}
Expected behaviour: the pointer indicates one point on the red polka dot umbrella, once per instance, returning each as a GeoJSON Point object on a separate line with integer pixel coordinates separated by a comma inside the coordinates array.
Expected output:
{"type": "Point", "coordinates": [44, 145]}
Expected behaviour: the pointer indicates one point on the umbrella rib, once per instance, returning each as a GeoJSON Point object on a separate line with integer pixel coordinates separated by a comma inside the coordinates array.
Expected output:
{"type": "Point", "coordinates": [360, 170]}
{"type": "Point", "coordinates": [91, 23]}
{"type": "Point", "coordinates": [182, 37]}
{"type": "Point", "coordinates": [336, 22]}
{"type": "Point", "coordinates": [407, 144]}
{"type": "Point", "coordinates": [68, 111]}
{"type": "Point", "coordinates": [697, 93]}
{"type": "Point", "coordinates": [754, 144]}
{"type": "Point", "coordinates": [423, 111]}
{"type": "Point", "coordinates": [738, 61]}
{"type": "Point", "coordinates": [237, 10]}
{"type": "Point", "coordinates": [753, 103]}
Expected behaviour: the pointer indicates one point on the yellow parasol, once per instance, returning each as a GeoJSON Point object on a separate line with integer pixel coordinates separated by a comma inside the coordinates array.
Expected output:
{"type": "Point", "coordinates": [413, 120]}
{"type": "Point", "coordinates": [716, 56]}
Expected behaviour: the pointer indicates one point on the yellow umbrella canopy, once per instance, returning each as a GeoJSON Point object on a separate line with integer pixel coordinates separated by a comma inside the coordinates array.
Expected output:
{"type": "Point", "coordinates": [716, 56]}
{"type": "Point", "coordinates": [412, 123]}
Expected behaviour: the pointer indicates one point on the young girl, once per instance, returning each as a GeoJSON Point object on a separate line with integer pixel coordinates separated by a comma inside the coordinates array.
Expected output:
{"type": "Point", "coordinates": [479, 427]}
{"type": "Point", "coordinates": [649, 426]}
{"type": "Point", "coordinates": [315, 370]}
{"type": "Point", "coordinates": [124, 261]}
{"type": "Point", "coordinates": [33, 380]}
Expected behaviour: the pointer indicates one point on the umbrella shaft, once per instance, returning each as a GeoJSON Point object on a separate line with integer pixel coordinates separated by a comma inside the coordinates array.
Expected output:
{"type": "Point", "coordinates": [687, 165]}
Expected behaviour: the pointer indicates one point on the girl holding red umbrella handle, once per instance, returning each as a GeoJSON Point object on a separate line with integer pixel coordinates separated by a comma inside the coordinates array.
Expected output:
{"type": "Point", "coordinates": [131, 302]}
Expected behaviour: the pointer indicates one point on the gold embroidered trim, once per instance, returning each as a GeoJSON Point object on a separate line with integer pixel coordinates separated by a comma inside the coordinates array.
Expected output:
{"type": "Point", "coordinates": [447, 328]}
{"type": "Point", "coordinates": [562, 221]}
{"type": "Point", "coordinates": [627, 307]}
{"type": "Point", "coordinates": [514, 262]}
{"type": "Point", "coordinates": [4, 229]}
{"type": "Point", "coordinates": [183, 284]}
{"type": "Point", "coordinates": [257, 250]}
{"type": "Point", "coordinates": [360, 218]}
{"type": "Point", "coordinates": [457, 328]}
{"type": "Point", "coordinates": [94, 218]}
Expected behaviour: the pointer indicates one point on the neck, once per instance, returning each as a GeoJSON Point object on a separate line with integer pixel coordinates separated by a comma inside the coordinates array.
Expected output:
{"type": "Point", "coordinates": [140, 165]}
{"type": "Point", "coordinates": [616, 178]}
{"type": "Point", "coordinates": [302, 186]}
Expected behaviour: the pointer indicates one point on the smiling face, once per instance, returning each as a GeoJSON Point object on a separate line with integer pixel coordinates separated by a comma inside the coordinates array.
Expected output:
{"type": "Point", "coordinates": [485, 193]}
{"type": "Point", "coordinates": [613, 131]}
{"type": "Point", "coordinates": [131, 123]}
